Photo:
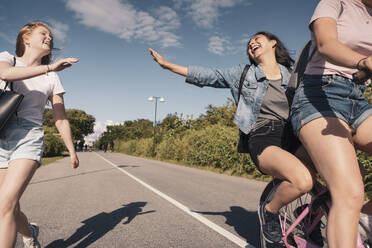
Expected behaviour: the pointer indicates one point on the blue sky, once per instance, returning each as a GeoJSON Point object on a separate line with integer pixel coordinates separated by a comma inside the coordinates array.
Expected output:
{"type": "Point", "coordinates": [116, 75]}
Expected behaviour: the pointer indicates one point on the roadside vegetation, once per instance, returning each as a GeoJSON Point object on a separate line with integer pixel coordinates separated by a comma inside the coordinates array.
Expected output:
{"type": "Point", "coordinates": [81, 124]}
{"type": "Point", "coordinates": [209, 142]}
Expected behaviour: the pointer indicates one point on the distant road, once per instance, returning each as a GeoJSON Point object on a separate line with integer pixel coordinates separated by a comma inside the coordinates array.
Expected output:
{"type": "Point", "coordinates": [114, 200]}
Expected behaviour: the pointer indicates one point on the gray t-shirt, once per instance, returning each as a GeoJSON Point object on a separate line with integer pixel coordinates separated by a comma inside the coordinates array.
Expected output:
{"type": "Point", "coordinates": [275, 105]}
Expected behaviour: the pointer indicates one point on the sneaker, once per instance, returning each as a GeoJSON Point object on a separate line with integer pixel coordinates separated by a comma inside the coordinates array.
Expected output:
{"type": "Point", "coordinates": [316, 235]}
{"type": "Point", "coordinates": [32, 242]}
{"type": "Point", "coordinates": [270, 224]}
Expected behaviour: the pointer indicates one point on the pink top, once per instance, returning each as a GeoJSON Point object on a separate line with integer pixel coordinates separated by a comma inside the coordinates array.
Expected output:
{"type": "Point", "coordinates": [354, 29]}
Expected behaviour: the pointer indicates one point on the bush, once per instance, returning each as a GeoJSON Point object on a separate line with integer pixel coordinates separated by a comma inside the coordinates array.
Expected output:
{"type": "Point", "coordinates": [53, 145]}
{"type": "Point", "coordinates": [171, 148]}
{"type": "Point", "coordinates": [144, 147]}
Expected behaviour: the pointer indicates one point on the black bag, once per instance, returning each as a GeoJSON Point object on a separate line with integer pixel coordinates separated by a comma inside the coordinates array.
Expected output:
{"type": "Point", "coordinates": [243, 146]}
{"type": "Point", "coordinates": [299, 66]}
{"type": "Point", "coordinates": [9, 102]}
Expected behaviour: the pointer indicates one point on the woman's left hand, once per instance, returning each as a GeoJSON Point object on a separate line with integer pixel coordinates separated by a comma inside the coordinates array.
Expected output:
{"type": "Point", "coordinates": [74, 161]}
{"type": "Point", "coordinates": [158, 58]}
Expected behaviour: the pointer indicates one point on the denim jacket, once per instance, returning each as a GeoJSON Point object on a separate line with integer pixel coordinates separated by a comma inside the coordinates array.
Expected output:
{"type": "Point", "coordinates": [253, 91]}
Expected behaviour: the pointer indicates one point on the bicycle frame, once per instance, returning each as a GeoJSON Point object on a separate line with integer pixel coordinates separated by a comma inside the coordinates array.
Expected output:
{"type": "Point", "coordinates": [300, 242]}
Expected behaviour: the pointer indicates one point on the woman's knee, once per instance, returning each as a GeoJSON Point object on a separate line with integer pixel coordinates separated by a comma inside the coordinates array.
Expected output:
{"type": "Point", "coordinates": [303, 181]}
{"type": "Point", "coordinates": [9, 206]}
{"type": "Point", "coordinates": [350, 197]}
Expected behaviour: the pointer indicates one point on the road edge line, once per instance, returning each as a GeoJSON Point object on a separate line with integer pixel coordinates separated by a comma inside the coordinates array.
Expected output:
{"type": "Point", "coordinates": [233, 238]}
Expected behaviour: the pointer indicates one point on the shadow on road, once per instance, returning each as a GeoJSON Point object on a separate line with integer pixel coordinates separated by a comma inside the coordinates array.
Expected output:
{"type": "Point", "coordinates": [75, 175]}
{"type": "Point", "coordinates": [126, 166]}
{"type": "Point", "coordinates": [97, 226]}
{"type": "Point", "coordinates": [245, 223]}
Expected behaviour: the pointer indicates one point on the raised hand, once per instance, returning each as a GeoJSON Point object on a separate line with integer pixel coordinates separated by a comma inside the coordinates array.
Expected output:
{"type": "Point", "coordinates": [158, 58]}
{"type": "Point", "coordinates": [179, 69]}
{"type": "Point", "coordinates": [62, 64]}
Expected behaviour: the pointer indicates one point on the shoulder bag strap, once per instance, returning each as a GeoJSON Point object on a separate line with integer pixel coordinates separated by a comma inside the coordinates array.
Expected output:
{"type": "Point", "coordinates": [242, 77]}
{"type": "Point", "coordinates": [11, 83]}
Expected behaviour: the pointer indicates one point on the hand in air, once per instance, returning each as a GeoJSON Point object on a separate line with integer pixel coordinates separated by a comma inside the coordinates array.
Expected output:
{"type": "Point", "coordinates": [62, 64]}
{"type": "Point", "coordinates": [158, 58]}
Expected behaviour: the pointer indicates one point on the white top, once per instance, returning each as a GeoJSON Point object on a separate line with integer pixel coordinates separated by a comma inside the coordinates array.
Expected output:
{"type": "Point", "coordinates": [36, 91]}
{"type": "Point", "coordinates": [354, 25]}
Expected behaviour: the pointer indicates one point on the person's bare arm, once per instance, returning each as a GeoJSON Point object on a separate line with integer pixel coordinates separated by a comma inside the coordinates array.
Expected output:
{"type": "Point", "coordinates": [325, 31]}
{"type": "Point", "coordinates": [179, 69]}
{"type": "Point", "coordinates": [9, 72]}
{"type": "Point", "coordinates": [63, 126]}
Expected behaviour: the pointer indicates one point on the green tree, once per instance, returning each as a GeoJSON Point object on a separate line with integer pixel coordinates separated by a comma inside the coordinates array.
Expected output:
{"type": "Point", "coordinates": [129, 130]}
{"type": "Point", "coordinates": [81, 123]}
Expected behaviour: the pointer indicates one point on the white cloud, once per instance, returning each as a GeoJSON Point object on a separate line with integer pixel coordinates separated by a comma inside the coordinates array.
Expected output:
{"type": "Point", "coordinates": [222, 45]}
{"type": "Point", "coordinates": [205, 13]}
{"type": "Point", "coordinates": [59, 30]}
{"type": "Point", "coordinates": [100, 128]}
{"type": "Point", "coordinates": [219, 45]}
{"type": "Point", "coordinates": [120, 18]}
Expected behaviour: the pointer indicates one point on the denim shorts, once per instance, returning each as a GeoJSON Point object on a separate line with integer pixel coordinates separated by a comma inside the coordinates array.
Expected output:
{"type": "Point", "coordinates": [21, 139]}
{"type": "Point", "coordinates": [329, 96]}
{"type": "Point", "coordinates": [271, 133]}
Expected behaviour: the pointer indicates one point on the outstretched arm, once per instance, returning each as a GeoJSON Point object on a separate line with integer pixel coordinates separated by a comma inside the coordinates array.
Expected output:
{"type": "Point", "coordinates": [201, 76]}
{"type": "Point", "coordinates": [9, 72]}
{"type": "Point", "coordinates": [179, 69]}
{"type": "Point", "coordinates": [63, 126]}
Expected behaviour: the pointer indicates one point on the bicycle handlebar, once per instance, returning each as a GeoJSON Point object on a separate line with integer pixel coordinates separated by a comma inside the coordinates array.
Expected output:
{"type": "Point", "coordinates": [361, 76]}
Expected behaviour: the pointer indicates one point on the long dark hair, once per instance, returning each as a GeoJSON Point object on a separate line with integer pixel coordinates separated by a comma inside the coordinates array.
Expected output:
{"type": "Point", "coordinates": [281, 53]}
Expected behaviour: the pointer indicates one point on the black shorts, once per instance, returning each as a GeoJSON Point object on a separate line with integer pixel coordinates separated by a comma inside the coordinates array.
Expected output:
{"type": "Point", "coordinates": [271, 133]}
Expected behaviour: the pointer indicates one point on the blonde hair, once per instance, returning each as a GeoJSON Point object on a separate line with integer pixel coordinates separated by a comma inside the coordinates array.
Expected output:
{"type": "Point", "coordinates": [26, 30]}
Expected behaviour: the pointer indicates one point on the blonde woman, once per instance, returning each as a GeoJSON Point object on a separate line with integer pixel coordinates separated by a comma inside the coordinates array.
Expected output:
{"type": "Point", "coordinates": [21, 143]}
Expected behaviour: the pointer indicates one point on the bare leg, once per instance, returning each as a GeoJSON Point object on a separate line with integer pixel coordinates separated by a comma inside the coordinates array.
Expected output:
{"type": "Point", "coordinates": [15, 181]}
{"type": "Point", "coordinates": [363, 142]}
{"type": "Point", "coordinates": [283, 165]}
{"type": "Point", "coordinates": [21, 219]}
{"type": "Point", "coordinates": [329, 144]}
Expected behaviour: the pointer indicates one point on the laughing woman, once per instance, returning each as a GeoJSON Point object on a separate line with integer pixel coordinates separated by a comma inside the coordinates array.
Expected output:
{"type": "Point", "coordinates": [262, 113]}
{"type": "Point", "coordinates": [21, 143]}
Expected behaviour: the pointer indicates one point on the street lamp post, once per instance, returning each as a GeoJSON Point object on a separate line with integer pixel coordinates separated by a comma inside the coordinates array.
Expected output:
{"type": "Point", "coordinates": [161, 99]}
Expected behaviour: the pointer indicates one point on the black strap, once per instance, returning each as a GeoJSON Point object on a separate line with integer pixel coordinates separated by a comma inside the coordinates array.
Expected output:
{"type": "Point", "coordinates": [11, 83]}
{"type": "Point", "coordinates": [242, 77]}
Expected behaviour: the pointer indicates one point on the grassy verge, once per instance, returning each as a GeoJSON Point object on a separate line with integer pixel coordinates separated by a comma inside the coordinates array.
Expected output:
{"type": "Point", "coordinates": [49, 160]}
{"type": "Point", "coordinates": [260, 177]}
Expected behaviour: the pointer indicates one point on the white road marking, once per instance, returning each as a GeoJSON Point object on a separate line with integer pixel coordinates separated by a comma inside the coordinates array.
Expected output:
{"type": "Point", "coordinates": [233, 238]}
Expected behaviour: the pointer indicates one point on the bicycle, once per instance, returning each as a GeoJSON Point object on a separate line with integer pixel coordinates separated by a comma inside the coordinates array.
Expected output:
{"type": "Point", "coordinates": [302, 216]}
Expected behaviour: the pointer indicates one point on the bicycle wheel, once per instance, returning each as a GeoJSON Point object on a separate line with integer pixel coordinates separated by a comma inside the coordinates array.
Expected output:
{"type": "Point", "coordinates": [288, 213]}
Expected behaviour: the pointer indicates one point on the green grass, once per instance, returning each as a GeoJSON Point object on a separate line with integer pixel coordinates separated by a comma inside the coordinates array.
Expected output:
{"type": "Point", "coordinates": [49, 160]}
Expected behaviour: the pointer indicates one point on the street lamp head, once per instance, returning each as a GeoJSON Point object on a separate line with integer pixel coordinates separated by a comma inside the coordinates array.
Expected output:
{"type": "Point", "coordinates": [150, 98]}
{"type": "Point", "coordinates": [161, 99]}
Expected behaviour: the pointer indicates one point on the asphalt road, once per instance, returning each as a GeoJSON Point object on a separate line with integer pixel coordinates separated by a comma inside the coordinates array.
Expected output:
{"type": "Point", "coordinates": [114, 200]}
